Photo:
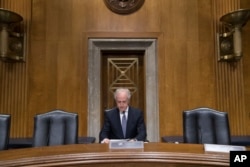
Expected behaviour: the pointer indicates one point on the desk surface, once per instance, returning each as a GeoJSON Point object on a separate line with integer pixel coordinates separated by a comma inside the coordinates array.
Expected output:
{"type": "Point", "coordinates": [156, 154]}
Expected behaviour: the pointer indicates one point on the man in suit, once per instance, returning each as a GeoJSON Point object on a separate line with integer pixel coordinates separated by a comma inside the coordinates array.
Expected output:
{"type": "Point", "coordinates": [134, 128]}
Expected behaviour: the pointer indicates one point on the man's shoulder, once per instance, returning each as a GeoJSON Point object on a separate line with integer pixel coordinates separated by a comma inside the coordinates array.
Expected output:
{"type": "Point", "coordinates": [111, 110]}
{"type": "Point", "coordinates": [137, 110]}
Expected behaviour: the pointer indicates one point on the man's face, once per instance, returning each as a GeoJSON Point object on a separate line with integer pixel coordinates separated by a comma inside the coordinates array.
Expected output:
{"type": "Point", "coordinates": [122, 101]}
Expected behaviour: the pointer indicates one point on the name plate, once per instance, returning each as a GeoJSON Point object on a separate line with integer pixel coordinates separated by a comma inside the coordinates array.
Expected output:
{"type": "Point", "coordinates": [124, 144]}
{"type": "Point", "coordinates": [223, 148]}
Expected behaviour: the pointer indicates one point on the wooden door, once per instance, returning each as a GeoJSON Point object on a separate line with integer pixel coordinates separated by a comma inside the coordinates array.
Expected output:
{"type": "Point", "coordinates": [122, 69]}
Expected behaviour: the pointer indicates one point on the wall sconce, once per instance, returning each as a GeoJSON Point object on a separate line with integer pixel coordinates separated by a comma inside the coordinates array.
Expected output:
{"type": "Point", "coordinates": [229, 43]}
{"type": "Point", "coordinates": [11, 38]}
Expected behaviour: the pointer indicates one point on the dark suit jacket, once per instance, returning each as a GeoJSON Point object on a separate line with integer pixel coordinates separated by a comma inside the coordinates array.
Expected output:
{"type": "Point", "coordinates": [112, 128]}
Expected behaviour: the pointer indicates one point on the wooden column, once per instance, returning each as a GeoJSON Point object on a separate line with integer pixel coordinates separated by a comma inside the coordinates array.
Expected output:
{"type": "Point", "coordinates": [230, 85]}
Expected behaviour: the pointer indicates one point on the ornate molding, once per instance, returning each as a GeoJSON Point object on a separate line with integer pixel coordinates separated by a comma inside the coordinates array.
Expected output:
{"type": "Point", "coordinates": [124, 6]}
{"type": "Point", "coordinates": [95, 48]}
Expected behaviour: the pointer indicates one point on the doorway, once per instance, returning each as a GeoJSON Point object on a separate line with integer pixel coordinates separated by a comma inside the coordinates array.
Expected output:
{"type": "Point", "coordinates": [122, 69]}
{"type": "Point", "coordinates": [147, 47]}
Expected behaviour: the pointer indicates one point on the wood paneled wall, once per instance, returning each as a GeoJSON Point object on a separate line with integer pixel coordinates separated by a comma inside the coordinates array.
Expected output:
{"type": "Point", "coordinates": [230, 89]}
{"type": "Point", "coordinates": [14, 78]}
{"type": "Point", "coordinates": [55, 72]}
{"type": "Point", "coordinates": [246, 69]}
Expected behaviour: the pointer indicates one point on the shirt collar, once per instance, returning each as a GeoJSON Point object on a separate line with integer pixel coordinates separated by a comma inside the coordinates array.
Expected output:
{"type": "Point", "coordinates": [126, 111]}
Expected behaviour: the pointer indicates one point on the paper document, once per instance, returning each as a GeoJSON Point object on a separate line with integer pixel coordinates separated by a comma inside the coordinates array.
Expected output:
{"type": "Point", "coordinates": [223, 148]}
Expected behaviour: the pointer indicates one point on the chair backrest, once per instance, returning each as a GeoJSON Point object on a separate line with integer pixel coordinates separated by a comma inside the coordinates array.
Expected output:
{"type": "Point", "coordinates": [4, 131]}
{"type": "Point", "coordinates": [205, 125]}
{"type": "Point", "coordinates": [56, 127]}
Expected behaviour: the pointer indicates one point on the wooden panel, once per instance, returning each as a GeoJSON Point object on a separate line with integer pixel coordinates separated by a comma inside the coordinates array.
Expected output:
{"type": "Point", "coordinates": [245, 4]}
{"type": "Point", "coordinates": [230, 78]}
{"type": "Point", "coordinates": [58, 70]}
{"type": "Point", "coordinates": [55, 72]}
{"type": "Point", "coordinates": [122, 69]}
{"type": "Point", "coordinates": [13, 77]}
{"type": "Point", "coordinates": [187, 63]}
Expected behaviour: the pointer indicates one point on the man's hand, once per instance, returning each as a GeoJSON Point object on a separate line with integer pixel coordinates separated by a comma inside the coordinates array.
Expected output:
{"type": "Point", "coordinates": [106, 140]}
{"type": "Point", "coordinates": [132, 140]}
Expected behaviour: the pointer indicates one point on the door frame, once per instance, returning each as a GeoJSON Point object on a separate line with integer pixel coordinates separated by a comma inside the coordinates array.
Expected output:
{"type": "Point", "coordinates": [95, 47]}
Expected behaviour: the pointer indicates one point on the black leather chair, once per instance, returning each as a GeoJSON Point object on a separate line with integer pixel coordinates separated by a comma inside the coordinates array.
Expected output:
{"type": "Point", "coordinates": [205, 125]}
{"type": "Point", "coordinates": [56, 127]}
{"type": "Point", "coordinates": [4, 131]}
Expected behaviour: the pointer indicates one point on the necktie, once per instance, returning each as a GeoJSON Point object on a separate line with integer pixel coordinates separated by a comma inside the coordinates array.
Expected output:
{"type": "Point", "coordinates": [124, 124]}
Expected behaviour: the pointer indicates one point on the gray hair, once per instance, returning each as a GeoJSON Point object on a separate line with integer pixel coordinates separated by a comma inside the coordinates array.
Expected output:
{"type": "Point", "coordinates": [122, 90]}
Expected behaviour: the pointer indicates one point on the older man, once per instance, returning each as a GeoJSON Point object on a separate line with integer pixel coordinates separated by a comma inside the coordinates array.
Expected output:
{"type": "Point", "coordinates": [123, 121]}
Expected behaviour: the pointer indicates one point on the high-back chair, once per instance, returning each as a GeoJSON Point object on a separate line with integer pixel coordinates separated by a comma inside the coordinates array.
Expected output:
{"type": "Point", "coordinates": [56, 127]}
{"type": "Point", "coordinates": [4, 131]}
{"type": "Point", "coordinates": [205, 125]}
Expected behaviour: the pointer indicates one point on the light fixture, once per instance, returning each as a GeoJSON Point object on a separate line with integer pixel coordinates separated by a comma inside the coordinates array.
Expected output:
{"type": "Point", "coordinates": [12, 38]}
{"type": "Point", "coordinates": [229, 42]}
